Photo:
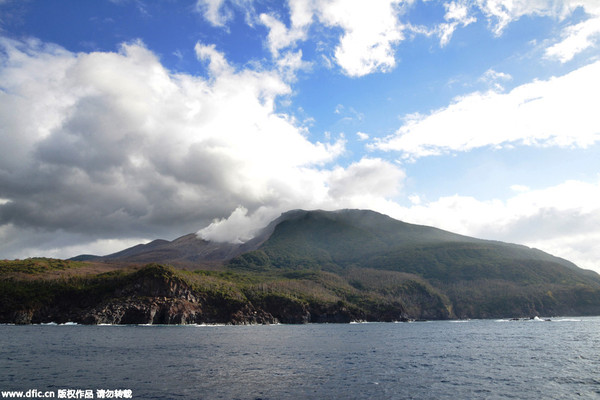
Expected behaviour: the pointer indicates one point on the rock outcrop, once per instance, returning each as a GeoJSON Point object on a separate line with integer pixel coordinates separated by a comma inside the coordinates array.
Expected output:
{"type": "Point", "coordinates": [153, 295]}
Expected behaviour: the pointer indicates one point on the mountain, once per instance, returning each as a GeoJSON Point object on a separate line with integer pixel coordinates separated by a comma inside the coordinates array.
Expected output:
{"type": "Point", "coordinates": [335, 266]}
{"type": "Point", "coordinates": [366, 239]}
{"type": "Point", "coordinates": [331, 240]}
{"type": "Point", "coordinates": [369, 239]}
{"type": "Point", "coordinates": [477, 278]}
{"type": "Point", "coordinates": [185, 251]}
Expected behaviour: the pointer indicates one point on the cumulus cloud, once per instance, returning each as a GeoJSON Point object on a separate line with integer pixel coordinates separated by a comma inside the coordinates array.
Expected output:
{"type": "Point", "coordinates": [556, 112]}
{"type": "Point", "coordinates": [563, 220]}
{"type": "Point", "coordinates": [280, 36]}
{"type": "Point", "coordinates": [369, 176]}
{"type": "Point", "coordinates": [103, 147]}
{"type": "Point", "coordinates": [368, 183]}
{"type": "Point", "coordinates": [371, 29]}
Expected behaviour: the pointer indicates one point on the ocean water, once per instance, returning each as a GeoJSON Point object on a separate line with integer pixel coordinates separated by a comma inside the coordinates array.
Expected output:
{"type": "Point", "coordinates": [480, 359]}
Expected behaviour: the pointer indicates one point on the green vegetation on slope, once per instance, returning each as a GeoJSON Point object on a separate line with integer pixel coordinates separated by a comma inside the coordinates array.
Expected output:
{"type": "Point", "coordinates": [26, 294]}
{"type": "Point", "coordinates": [37, 265]}
{"type": "Point", "coordinates": [477, 278]}
{"type": "Point", "coordinates": [292, 296]}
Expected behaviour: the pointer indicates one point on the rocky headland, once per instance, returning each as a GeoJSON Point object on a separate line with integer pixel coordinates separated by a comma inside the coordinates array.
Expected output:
{"type": "Point", "coordinates": [158, 294]}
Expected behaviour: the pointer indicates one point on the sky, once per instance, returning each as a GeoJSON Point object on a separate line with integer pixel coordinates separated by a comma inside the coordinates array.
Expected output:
{"type": "Point", "coordinates": [124, 121]}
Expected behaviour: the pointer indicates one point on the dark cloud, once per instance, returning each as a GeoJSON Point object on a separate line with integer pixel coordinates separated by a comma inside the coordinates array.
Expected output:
{"type": "Point", "coordinates": [101, 147]}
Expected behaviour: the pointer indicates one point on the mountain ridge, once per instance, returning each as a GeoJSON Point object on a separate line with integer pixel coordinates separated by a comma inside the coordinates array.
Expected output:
{"type": "Point", "coordinates": [190, 250]}
{"type": "Point", "coordinates": [365, 265]}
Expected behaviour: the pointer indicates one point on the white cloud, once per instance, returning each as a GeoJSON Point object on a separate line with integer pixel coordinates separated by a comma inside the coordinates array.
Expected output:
{"type": "Point", "coordinates": [369, 183]}
{"type": "Point", "coordinates": [239, 227]}
{"type": "Point", "coordinates": [457, 13]}
{"type": "Point", "coordinates": [415, 199]}
{"type": "Point", "coordinates": [563, 220]}
{"type": "Point", "coordinates": [102, 147]}
{"type": "Point", "coordinates": [19, 242]}
{"type": "Point", "coordinates": [372, 176]}
{"type": "Point", "coordinates": [280, 37]}
{"type": "Point", "coordinates": [578, 248]}
{"type": "Point", "coordinates": [211, 9]}
{"type": "Point", "coordinates": [503, 12]}
{"type": "Point", "coordinates": [494, 79]}
{"type": "Point", "coordinates": [560, 111]}
{"type": "Point", "coordinates": [218, 65]}
{"type": "Point", "coordinates": [362, 136]}
{"type": "Point", "coordinates": [94, 247]}
{"type": "Point", "coordinates": [519, 188]}
{"type": "Point", "coordinates": [371, 29]}
{"type": "Point", "coordinates": [220, 12]}
{"type": "Point", "coordinates": [291, 62]}
{"type": "Point", "coordinates": [576, 39]}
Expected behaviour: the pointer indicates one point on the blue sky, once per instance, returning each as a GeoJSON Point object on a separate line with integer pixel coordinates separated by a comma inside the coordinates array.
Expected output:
{"type": "Point", "coordinates": [128, 120]}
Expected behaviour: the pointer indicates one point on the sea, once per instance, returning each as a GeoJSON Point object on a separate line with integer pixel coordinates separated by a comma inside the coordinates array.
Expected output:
{"type": "Point", "coordinates": [475, 359]}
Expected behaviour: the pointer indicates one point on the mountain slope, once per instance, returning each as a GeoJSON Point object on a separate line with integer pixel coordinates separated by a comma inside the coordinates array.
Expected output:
{"type": "Point", "coordinates": [185, 251]}
{"type": "Point", "coordinates": [369, 239]}
{"type": "Point", "coordinates": [480, 278]}
{"type": "Point", "coordinates": [382, 269]}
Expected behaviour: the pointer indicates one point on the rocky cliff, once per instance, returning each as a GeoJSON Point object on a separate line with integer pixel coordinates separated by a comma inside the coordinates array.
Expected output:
{"type": "Point", "coordinates": [162, 295]}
